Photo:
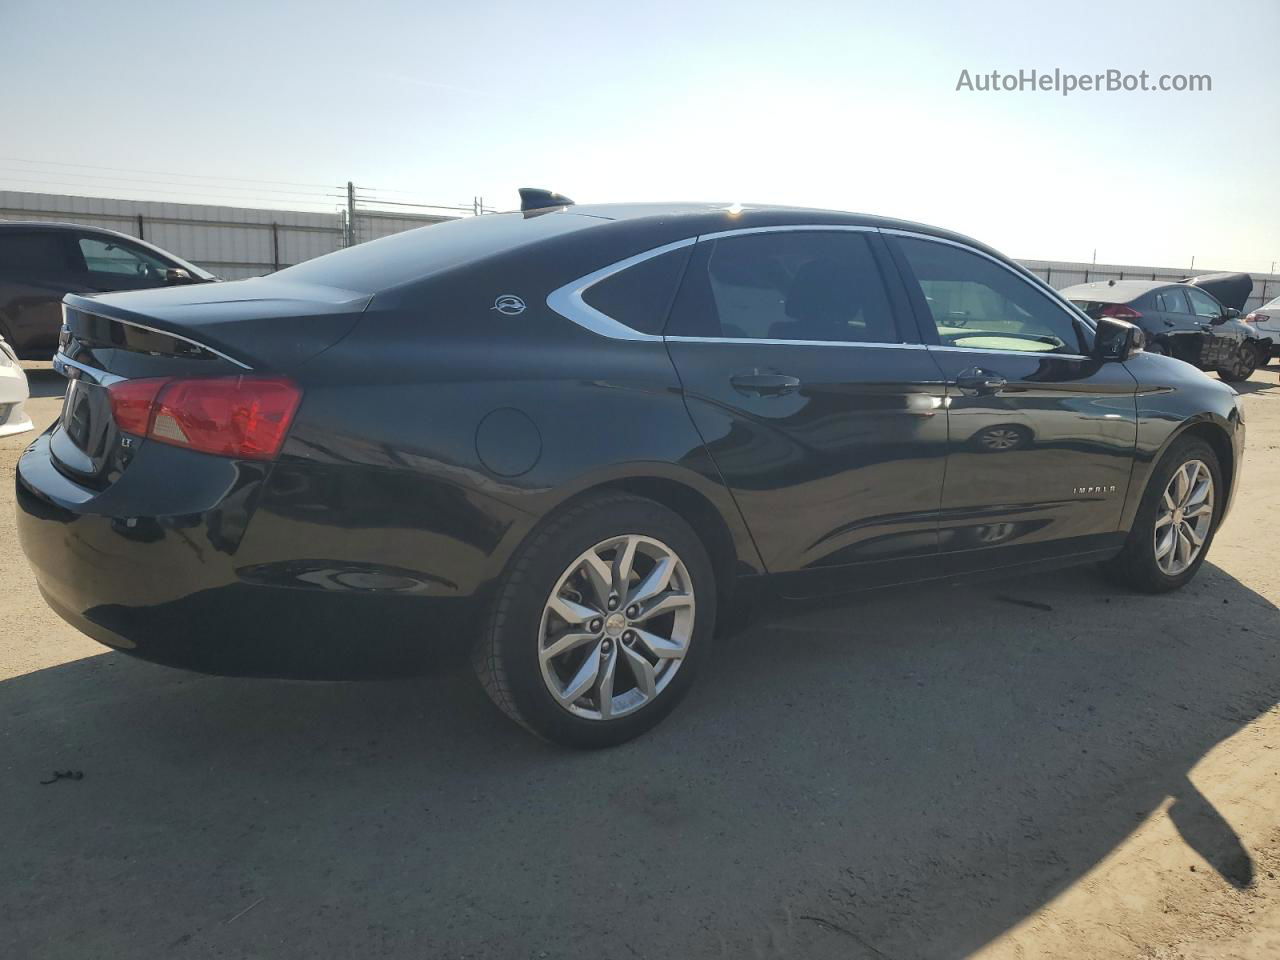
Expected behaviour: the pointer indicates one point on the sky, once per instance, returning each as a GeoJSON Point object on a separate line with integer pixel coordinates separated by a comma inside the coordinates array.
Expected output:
{"type": "Point", "coordinates": [847, 105]}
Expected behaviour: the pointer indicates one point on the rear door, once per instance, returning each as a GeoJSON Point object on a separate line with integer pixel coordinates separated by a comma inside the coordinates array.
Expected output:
{"type": "Point", "coordinates": [823, 417]}
{"type": "Point", "coordinates": [35, 273]}
{"type": "Point", "coordinates": [1186, 337]}
{"type": "Point", "coordinates": [1041, 436]}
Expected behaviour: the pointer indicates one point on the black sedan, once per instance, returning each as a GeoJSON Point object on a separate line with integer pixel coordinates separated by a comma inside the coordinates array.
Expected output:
{"type": "Point", "coordinates": [1181, 320]}
{"type": "Point", "coordinates": [42, 262]}
{"type": "Point", "coordinates": [573, 438]}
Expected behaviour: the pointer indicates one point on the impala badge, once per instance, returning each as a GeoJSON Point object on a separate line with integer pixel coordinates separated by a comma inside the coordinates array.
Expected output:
{"type": "Point", "coordinates": [1101, 488]}
{"type": "Point", "coordinates": [509, 305]}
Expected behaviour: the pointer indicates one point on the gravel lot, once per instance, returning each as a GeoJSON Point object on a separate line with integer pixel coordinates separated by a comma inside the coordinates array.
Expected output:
{"type": "Point", "coordinates": [1041, 767]}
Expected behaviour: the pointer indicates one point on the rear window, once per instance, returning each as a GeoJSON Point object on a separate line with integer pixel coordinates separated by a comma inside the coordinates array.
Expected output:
{"type": "Point", "coordinates": [416, 254]}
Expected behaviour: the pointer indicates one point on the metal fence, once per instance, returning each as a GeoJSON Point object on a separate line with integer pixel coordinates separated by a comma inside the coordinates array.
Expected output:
{"type": "Point", "coordinates": [238, 242]}
{"type": "Point", "coordinates": [232, 242]}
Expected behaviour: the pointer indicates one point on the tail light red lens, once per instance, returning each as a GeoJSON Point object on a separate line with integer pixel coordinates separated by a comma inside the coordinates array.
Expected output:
{"type": "Point", "coordinates": [1256, 317]}
{"type": "Point", "coordinates": [1120, 311]}
{"type": "Point", "coordinates": [132, 402]}
{"type": "Point", "coordinates": [241, 417]}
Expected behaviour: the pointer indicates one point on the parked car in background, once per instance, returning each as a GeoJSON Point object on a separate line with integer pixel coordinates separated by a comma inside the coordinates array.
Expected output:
{"type": "Point", "coordinates": [40, 263]}
{"type": "Point", "coordinates": [1179, 319]}
{"type": "Point", "coordinates": [1266, 320]}
{"type": "Point", "coordinates": [13, 393]}
{"type": "Point", "coordinates": [575, 438]}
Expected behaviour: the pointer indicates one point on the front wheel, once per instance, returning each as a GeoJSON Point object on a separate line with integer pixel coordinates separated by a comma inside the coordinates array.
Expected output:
{"type": "Point", "coordinates": [1242, 365]}
{"type": "Point", "coordinates": [600, 623]}
{"type": "Point", "coordinates": [1176, 520]}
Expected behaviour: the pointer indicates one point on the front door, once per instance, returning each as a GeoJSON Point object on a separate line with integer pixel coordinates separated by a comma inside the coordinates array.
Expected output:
{"type": "Point", "coordinates": [1221, 339]}
{"type": "Point", "coordinates": [1041, 435]}
{"type": "Point", "coordinates": [824, 420]}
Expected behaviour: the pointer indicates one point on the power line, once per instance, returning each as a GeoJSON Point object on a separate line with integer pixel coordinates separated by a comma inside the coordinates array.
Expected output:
{"type": "Point", "coordinates": [167, 183]}
{"type": "Point", "coordinates": [161, 173]}
{"type": "Point", "coordinates": [193, 191]}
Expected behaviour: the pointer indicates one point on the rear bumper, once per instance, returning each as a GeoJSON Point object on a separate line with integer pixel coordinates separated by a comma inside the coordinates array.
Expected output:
{"type": "Point", "coordinates": [178, 586]}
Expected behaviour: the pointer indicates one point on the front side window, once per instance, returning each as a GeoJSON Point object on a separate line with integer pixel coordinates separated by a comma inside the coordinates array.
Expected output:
{"type": "Point", "coordinates": [1203, 304]}
{"type": "Point", "coordinates": [793, 285]}
{"type": "Point", "coordinates": [102, 255]}
{"type": "Point", "coordinates": [1172, 300]}
{"type": "Point", "coordinates": [976, 303]}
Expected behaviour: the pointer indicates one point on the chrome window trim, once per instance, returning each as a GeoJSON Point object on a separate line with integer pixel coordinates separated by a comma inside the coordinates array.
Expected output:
{"type": "Point", "coordinates": [801, 343]}
{"type": "Point", "coordinates": [788, 228]}
{"type": "Point", "coordinates": [567, 300]}
{"type": "Point", "coordinates": [1012, 353]}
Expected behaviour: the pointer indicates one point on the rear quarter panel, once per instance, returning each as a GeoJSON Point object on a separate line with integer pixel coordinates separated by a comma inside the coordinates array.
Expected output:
{"type": "Point", "coordinates": [387, 462]}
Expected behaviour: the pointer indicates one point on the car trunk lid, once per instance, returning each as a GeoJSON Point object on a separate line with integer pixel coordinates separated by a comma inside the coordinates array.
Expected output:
{"type": "Point", "coordinates": [211, 330]}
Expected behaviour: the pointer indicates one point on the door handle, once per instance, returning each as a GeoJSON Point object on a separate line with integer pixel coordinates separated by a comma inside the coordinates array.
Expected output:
{"type": "Point", "coordinates": [756, 384]}
{"type": "Point", "coordinates": [977, 380]}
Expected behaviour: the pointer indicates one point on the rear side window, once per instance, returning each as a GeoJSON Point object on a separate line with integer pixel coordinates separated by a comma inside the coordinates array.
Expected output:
{"type": "Point", "coordinates": [814, 285]}
{"type": "Point", "coordinates": [978, 304]}
{"type": "Point", "coordinates": [640, 296]}
{"type": "Point", "coordinates": [1172, 301]}
{"type": "Point", "coordinates": [36, 253]}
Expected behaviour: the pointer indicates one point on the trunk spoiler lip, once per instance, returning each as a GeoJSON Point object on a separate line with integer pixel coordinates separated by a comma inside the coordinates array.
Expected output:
{"type": "Point", "coordinates": [106, 306]}
{"type": "Point", "coordinates": [143, 321]}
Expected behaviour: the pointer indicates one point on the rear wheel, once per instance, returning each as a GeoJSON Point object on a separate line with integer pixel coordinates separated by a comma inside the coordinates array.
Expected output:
{"type": "Point", "coordinates": [1176, 520]}
{"type": "Point", "coordinates": [599, 626]}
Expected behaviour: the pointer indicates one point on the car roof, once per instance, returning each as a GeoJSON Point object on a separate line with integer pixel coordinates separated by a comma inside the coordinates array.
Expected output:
{"type": "Point", "coordinates": [1114, 291]}
{"type": "Point", "coordinates": [704, 217]}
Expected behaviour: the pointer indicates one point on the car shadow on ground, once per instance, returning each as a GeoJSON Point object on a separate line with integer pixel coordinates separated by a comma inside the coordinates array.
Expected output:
{"type": "Point", "coordinates": [908, 775]}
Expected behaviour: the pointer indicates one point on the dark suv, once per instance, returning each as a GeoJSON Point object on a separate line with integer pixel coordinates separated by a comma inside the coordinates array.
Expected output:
{"type": "Point", "coordinates": [42, 262]}
{"type": "Point", "coordinates": [1181, 320]}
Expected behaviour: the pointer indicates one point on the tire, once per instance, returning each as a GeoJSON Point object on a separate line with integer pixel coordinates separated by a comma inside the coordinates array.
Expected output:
{"type": "Point", "coordinates": [1242, 368]}
{"type": "Point", "coordinates": [548, 573]}
{"type": "Point", "coordinates": [1137, 565]}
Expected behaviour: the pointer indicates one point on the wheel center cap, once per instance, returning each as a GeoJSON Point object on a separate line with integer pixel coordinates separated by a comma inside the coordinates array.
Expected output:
{"type": "Point", "coordinates": [1177, 515]}
{"type": "Point", "coordinates": [614, 624]}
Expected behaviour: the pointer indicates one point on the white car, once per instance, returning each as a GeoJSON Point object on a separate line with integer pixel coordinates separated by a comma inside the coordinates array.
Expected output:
{"type": "Point", "coordinates": [1266, 319]}
{"type": "Point", "coordinates": [13, 392]}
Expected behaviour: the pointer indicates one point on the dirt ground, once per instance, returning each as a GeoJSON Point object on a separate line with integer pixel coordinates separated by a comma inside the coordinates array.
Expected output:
{"type": "Point", "coordinates": [1038, 768]}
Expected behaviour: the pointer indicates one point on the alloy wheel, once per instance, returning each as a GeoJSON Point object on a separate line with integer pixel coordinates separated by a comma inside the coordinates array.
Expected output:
{"type": "Point", "coordinates": [1001, 438]}
{"type": "Point", "coordinates": [616, 627]}
{"type": "Point", "coordinates": [1184, 517]}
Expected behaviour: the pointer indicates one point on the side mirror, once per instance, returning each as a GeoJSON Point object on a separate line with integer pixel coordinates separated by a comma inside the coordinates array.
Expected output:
{"type": "Point", "coordinates": [176, 275]}
{"type": "Point", "coordinates": [1116, 339]}
{"type": "Point", "coordinates": [1232, 314]}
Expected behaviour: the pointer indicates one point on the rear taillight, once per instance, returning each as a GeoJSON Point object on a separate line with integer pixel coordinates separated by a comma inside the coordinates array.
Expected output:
{"type": "Point", "coordinates": [242, 417]}
{"type": "Point", "coordinates": [1120, 311]}
{"type": "Point", "coordinates": [1256, 317]}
